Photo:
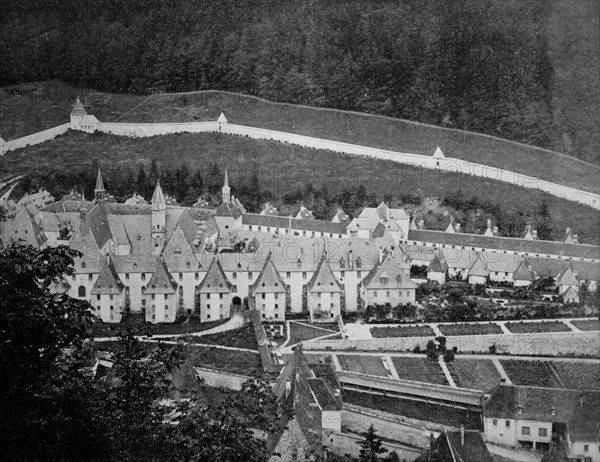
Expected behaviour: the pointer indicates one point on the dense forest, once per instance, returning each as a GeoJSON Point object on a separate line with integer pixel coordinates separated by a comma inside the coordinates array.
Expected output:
{"type": "Point", "coordinates": [522, 70]}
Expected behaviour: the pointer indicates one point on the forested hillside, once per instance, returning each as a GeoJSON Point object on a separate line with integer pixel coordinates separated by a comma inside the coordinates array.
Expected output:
{"type": "Point", "coordinates": [522, 70]}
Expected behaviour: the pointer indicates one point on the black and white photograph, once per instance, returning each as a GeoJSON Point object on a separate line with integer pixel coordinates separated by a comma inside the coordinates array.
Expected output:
{"type": "Point", "coordinates": [300, 230]}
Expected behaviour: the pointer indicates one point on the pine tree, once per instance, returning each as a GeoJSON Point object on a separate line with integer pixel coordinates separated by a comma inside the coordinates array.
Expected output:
{"type": "Point", "coordinates": [371, 446]}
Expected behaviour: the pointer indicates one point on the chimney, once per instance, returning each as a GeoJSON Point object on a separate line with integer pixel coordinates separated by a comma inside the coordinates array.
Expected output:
{"type": "Point", "coordinates": [575, 239]}
{"type": "Point", "coordinates": [534, 234]}
{"type": "Point", "coordinates": [495, 231]}
{"type": "Point", "coordinates": [503, 382]}
{"type": "Point", "coordinates": [568, 230]}
{"type": "Point", "coordinates": [421, 224]}
{"type": "Point", "coordinates": [462, 435]}
{"type": "Point", "coordinates": [457, 227]}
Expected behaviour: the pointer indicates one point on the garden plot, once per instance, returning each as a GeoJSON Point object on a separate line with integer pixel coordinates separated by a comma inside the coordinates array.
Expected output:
{"type": "Point", "coordinates": [578, 375]}
{"type": "Point", "coordinates": [470, 329]}
{"type": "Point", "coordinates": [476, 374]}
{"type": "Point", "coordinates": [537, 327]}
{"type": "Point", "coordinates": [300, 332]}
{"type": "Point", "coordinates": [402, 331]}
{"type": "Point", "coordinates": [419, 369]}
{"type": "Point", "coordinates": [587, 324]}
{"type": "Point", "coordinates": [371, 365]}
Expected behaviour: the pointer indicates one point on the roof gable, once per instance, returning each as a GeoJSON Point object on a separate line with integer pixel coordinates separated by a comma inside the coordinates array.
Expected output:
{"type": "Point", "coordinates": [568, 277]}
{"type": "Point", "coordinates": [523, 273]}
{"type": "Point", "coordinates": [323, 280]}
{"type": "Point", "coordinates": [215, 279]}
{"type": "Point", "coordinates": [389, 274]}
{"type": "Point", "coordinates": [479, 267]}
{"type": "Point", "coordinates": [437, 265]}
{"type": "Point", "coordinates": [161, 281]}
{"type": "Point", "coordinates": [108, 281]}
{"type": "Point", "coordinates": [269, 279]}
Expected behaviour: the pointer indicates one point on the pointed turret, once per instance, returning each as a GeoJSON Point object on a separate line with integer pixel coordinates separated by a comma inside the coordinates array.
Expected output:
{"type": "Point", "coordinates": [83, 214]}
{"type": "Point", "coordinates": [99, 192]}
{"type": "Point", "coordinates": [438, 154]}
{"type": "Point", "coordinates": [78, 109]}
{"type": "Point", "coordinates": [226, 190]}
{"type": "Point", "coordinates": [159, 217]}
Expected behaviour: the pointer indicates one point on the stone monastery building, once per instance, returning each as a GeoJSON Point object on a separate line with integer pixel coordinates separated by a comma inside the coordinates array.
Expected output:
{"type": "Point", "coordinates": [164, 260]}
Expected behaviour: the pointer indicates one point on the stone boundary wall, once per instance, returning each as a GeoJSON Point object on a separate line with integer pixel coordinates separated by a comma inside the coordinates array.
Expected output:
{"type": "Point", "coordinates": [439, 392]}
{"type": "Point", "coordinates": [348, 443]}
{"type": "Point", "coordinates": [446, 164]}
{"type": "Point", "coordinates": [578, 344]}
{"type": "Point", "coordinates": [35, 138]}
{"type": "Point", "coordinates": [217, 379]}
{"type": "Point", "coordinates": [426, 425]}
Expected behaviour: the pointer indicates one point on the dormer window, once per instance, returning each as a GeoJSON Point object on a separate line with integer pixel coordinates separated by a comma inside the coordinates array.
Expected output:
{"type": "Point", "coordinates": [399, 278]}
{"type": "Point", "coordinates": [342, 263]}
{"type": "Point", "coordinates": [358, 262]}
{"type": "Point", "coordinates": [135, 266]}
{"type": "Point", "coordinates": [520, 409]}
{"type": "Point", "coordinates": [83, 264]}
{"type": "Point", "coordinates": [384, 280]}
{"type": "Point", "coordinates": [177, 251]}
{"type": "Point", "coordinates": [187, 264]}
{"type": "Point", "coordinates": [553, 410]}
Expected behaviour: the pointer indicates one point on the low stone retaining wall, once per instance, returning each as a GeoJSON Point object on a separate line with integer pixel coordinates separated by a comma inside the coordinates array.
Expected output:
{"type": "Point", "coordinates": [586, 344]}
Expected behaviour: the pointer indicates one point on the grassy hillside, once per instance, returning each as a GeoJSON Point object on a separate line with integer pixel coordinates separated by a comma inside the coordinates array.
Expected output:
{"type": "Point", "coordinates": [283, 168]}
{"type": "Point", "coordinates": [25, 111]}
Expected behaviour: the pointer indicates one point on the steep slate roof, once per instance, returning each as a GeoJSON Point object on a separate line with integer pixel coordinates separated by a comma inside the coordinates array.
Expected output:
{"type": "Point", "coordinates": [568, 276]}
{"type": "Point", "coordinates": [323, 280]}
{"type": "Point", "coordinates": [98, 223]}
{"type": "Point", "coordinates": [449, 447]}
{"type": "Point", "coordinates": [158, 197]}
{"type": "Point", "coordinates": [269, 280]}
{"type": "Point", "coordinates": [584, 424]}
{"type": "Point", "coordinates": [479, 267]}
{"type": "Point", "coordinates": [99, 183]}
{"type": "Point", "coordinates": [523, 273]}
{"type": "Point", "coordinates": [298, 224]}
{"type": "Point", "coordinates": [78, 108]}
{"type": "Point", "coordinates": [570, 294]}
{"type": "Point", "coordinates": [391, 269]}
{"type": "Point", "coordinates": [506, 243]}
{"type": "Point", "coordinates": [228, 210]}
{"type": "Point", "coordinates": [135, 263]}
{"type": "Point", "coordinates": [535, 403]}
{"type": "Point", "coordinates": [215, 280]}
{"type": "Point", "coordinates": [304, 214]}
{"type": "Point", "coordinates": [22, 227]}
{"type": "Point", "coordinates": [108, 282]}
{"type": "Point", "coordinates": [437, 265]}
{"type": "Point", "coordinates": [161, 281]}
{"type": "Point", "coordinates": [340, 217]}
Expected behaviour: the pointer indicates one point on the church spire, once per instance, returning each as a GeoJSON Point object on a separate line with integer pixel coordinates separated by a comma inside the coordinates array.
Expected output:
{"type": "Point", "coordinates": [99, 192]}
{"type": "Point", "coordinates": [158, 197]}
{"type": "Point", "coordinates": [226, 190]}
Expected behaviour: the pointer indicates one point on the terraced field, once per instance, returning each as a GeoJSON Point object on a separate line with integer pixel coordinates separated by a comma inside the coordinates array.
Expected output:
{"type": "Point", "coordinates": [476, 374]}
{"type": "Point", "coordinates": [470, 329]}
{"type": "Point", "coordinates": [402, 331]}
{"type": "Point", "coordinates": [537, 327]}
{"type": "Point", "coordinates": [420, 410]}
{"type": "Point", "coordinates": [553, 374]}
{"type": "Point", "coordinates": [419, 370]}
{"type": "Point", "coordinates": [587, 325]}
{"type": "Point", "coordinates": [372, 365]}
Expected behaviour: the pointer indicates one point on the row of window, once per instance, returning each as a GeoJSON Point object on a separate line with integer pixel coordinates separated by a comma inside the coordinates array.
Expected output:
{"type": "Point", "coordinates": [524, 430]}
{"type": "Point", "coordinates": [388, 293]}
{"type": "Point", "coordinates": [287, 231]}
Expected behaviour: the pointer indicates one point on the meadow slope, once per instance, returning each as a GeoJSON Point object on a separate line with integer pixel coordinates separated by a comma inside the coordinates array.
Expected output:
{"type": "Point", "coordinates": [283, 168]}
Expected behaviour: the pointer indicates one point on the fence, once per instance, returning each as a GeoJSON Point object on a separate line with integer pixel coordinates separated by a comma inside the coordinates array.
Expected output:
{"type": "Point", "coordinates": [30, 140]}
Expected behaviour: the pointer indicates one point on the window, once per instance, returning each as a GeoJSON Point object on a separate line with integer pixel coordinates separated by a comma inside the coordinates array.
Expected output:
{"type": "Point", "coordinates": [263, 306]}
{"type": "Point", "coordinates": [276, 296]}
{"type": "Point", "coordinates": [387, 294]}
{"type": "Point", "coordinates": [81, 291]}
{"type": "Point", "coordinates": [208, 316]}
{"type": "Point", "coordinates": [73, 277]}
{"type": "Point", "coordinates": [144, 302]}
{"type": "Point", "coordinates": [263, 295]}
{"type": "Point", "coordinates": [180, 276]}
{"type": "Point", "coordinates": [196, 276]}
{"type": "Point", "coordinates": [143, 288]}
{"type": "Point", "coordinates": [358, 262]}
{"type": "Point", "coordinates": [234, 275]}
{"type": "Point", "coordinates": [342, 263]}
{"type": "Point", "coordinates": [507, 423]}
{"type": "Point", "coordinates": [343, 274]}
{"type": "Point", "coordinates": [288, 275]}
{"type": "Point", "coordinates": [304, 275]}
{"type": "Point", "coordinates": [408, 293]}
{"type": "Point", "coordinates": [167, 296]}
{"type": "Point", "coordinates": [249, 274]}
{"type": "Point", "coordinates": [208, 307]}
{"type": "Point", "coordinates": [318, 305]}
{"type": "Point", "coordinates": [586, 447]}
{"type": "Point", "coordinates": [495, 423]}
{"type": "Point", "coordinates": [112, 308]}
{"type": "Point", "coordinates": [97, 297]}
{"type": "Point", "coordinates": [276, 315]}
{"type": "Point", "coordinates": [276, 306]}
{"type": "Point", "coordinates": [358, 274]}
{"type": "Point", "coordinates": [375, 293]}
{"type": "Point", "coordinates": [221, 296]}
{"type": "Point", "coordinates": [153, 296]}
{"type": "Point", "coordinates": [111, 296]}
{"type": "Point", "coordinates": [543, 432]}
{"type": "Point", "coordinates": [83, 264]}
{"type": "Point", "coordinates": [90, 277]}
{"type": "Point", "coordinates": [143, 276]}
{"type": "Point", "coordinates": [127, 276]}
{"type": "Point", "coordinates": [525, 431]}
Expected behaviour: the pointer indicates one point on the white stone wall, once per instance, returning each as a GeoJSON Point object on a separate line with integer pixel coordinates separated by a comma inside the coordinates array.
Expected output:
{"type": "Point", "coordinates": [214, 306]}
{"type": "Point", "coordinates": [499, 432]}
{"type": "Point", "coordinates": [109, 308]}
{"type": "Point", "coordinates": [35, 138]}
{"type": "Point", "coordinates": [161, 308]}
{"type": "Point", "coordinates": [271, 305]}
